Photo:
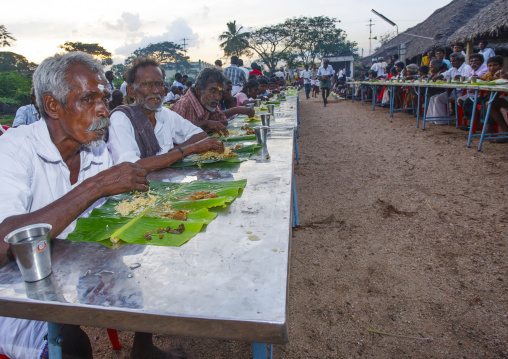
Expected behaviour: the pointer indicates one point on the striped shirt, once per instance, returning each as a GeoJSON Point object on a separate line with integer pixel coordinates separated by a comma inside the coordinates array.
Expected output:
{"type": "Point", "coordinates": [191, 109]}
{"type": "Point", "coordinates": [236, 75]}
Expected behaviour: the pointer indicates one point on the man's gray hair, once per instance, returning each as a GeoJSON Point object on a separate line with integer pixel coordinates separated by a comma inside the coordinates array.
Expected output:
{"type": "Point", "coordinates": [412, 68]}
{"type": "Point", "coordinates": [458, 56]}
{"type": "Point", "coordinates": [209, 75]}
{"type": "Point", "coordinates": [49, 78]}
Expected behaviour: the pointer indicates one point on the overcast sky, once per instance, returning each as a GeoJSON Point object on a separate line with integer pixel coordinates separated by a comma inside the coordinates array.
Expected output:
{"type": "Point", "coordinates": [121, 27]}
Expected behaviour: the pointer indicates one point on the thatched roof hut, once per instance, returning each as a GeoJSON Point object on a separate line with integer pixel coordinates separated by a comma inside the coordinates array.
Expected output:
{"type": "Point", "coordinates": [438, 27]}
{"type": "Point", "coordinates": [491, 24]}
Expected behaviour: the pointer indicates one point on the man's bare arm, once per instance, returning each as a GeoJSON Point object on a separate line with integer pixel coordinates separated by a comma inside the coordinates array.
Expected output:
{"type": "Point", "coordinates": [60, 213]}
{"type": "Point", "coordinates": [158, 162]}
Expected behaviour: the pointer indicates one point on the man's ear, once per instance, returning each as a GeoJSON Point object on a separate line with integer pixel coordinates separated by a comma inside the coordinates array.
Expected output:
{"type": "Point", "coordinates": [51, 106]}
{"type": "Point", "coordinates": [198, 90]}
{"type": "Point", "coordinates": [131, 92]}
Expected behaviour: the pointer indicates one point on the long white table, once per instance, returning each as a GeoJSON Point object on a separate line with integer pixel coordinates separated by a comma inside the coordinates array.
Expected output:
{"type": "Point", "coordinates": [228, 282]}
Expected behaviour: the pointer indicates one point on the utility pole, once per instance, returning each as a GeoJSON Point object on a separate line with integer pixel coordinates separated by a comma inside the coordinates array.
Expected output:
{"type": "Point", "coordinates": [184, 45]}
{"type": "Point", "coordinates": [370, 35]}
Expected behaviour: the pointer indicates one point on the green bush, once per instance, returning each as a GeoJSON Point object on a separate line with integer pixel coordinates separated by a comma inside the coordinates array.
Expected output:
{"type": "Point", "coordinates": [14, 88]}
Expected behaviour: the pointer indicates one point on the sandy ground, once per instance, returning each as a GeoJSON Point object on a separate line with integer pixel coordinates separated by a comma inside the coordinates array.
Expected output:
{"type": "Point", "coordinates": [402, 231]}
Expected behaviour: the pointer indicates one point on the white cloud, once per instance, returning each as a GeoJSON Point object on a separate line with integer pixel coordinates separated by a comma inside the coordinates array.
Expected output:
{"type": "Point", "coordinates": [175, 32]}
{"type": "Point", "coordinates": [127, 22]}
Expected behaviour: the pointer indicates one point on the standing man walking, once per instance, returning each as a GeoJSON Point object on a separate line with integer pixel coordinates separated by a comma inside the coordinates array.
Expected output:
{"type": "Point", "coordinates": [325, 74]}
{"type": "Point", "coordinates": [314, 81]}
{"type": "Point", "coordinates": [305, 75]}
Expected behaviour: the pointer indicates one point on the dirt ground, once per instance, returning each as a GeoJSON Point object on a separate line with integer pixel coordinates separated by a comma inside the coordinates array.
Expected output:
{"type": "Point", "coordinates": [402, 231]}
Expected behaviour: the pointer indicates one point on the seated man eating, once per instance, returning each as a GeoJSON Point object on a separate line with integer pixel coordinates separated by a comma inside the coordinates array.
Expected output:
{"type": "Point", "coordinates": [200, 105]}
{"type": "Point", "coordinates": [145, 132]}
{"type": "Point", "coordinates": [55, 171]}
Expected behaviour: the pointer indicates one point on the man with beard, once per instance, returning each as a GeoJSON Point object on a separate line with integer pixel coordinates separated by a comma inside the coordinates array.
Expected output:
{"type": "Point", "coordinates": [147, 133]}
{"type": "Point", "coordinates": [200, 105]}
{"type": "Point", "coordinates": [55, 171]}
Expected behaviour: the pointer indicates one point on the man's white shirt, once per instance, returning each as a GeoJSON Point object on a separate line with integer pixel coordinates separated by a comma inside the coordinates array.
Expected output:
{"type": "Point", "coordinates": [170, 97]}
{"type": "Point", "coordinates": [325, 72]}
{"type": "Point", "coordinates": [487, 53]}
{"type": "Point", "coordinates": [463, 70]}
{"type": "Point", "coordinates": [35, 175]}
{"type": "Point", "coordinates": [305, 75]}
{"type": "Point", "coordinates": [170, 128]}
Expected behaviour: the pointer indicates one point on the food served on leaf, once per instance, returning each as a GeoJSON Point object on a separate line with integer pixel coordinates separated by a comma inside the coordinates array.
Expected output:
{"type": "Point", "coordinates": [237, 147]}
{"type": "Point", "coordinates": [231, 133]}
{"type": "Point", "coordinates": [253, 118]}
{"type": "Point", "coordinates": [201, 195]}
{"type": "Point", "coordinates": [212, 155]}
{"type": "Point", "coordinates": [161, 231]}
{"type": "Point", "coordinates": [180, 215]}
{"type": "Point", "coordinates": [137, 204]}
{"type": "Point", "coordinates": [250, 130]}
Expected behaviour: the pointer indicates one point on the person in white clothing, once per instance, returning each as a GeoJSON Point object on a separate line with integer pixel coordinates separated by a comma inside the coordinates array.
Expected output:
{"type": "Point", "coordinates": [305, 75]}
{"type": "Point", "coordinates": [438, 103]}
{"type": "Point", "coordinates": [172, 95]}
{"type": "Point", "coordinates": [376, 66]}
{"type": "Point", "coordinates": [146, 132]}
{"type": "Point", "coordinates": [61, 171]}
{"type": "Point", "coordinates": [325, 74]}
{"type": "Point", "coordinates": [487, 52]}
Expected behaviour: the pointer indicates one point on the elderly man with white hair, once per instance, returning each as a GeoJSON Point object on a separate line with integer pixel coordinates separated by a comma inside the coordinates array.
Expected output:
{"type": "Point", "coordinates": [55, 171]}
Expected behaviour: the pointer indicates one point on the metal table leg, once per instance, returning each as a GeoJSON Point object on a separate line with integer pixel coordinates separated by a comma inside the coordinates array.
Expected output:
{"type": "Point", "coordinates": [492, 98]}
{"type": "Point", "coordinates": [373, 97]}
{"type": "Point", "coordinates": [425, 107]}
{"type": "Point", "coordinates": [54, 341]}
{"type": "Point", "coordinates": [296, 222]}
{"type": "Point", "coordinates": [418, 108]}
{"type": "Point", "coordinates": [260, 351]}
{"type": "Point", "coordinates": [471, 122]}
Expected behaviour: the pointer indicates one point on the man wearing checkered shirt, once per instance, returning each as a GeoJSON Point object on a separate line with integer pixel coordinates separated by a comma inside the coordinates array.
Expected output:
{"type": "Point", "coordinates": [236, 75]}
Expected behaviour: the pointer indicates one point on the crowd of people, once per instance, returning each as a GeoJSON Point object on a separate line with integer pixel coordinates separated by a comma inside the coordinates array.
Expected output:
{"type": "Point", "coordinates": [484, 65]}
{"type": "Point", "coordinates": [81, 140]}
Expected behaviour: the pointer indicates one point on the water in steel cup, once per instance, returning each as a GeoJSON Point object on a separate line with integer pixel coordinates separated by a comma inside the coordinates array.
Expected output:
{"type": "Point", "coordinates": [32, 247]}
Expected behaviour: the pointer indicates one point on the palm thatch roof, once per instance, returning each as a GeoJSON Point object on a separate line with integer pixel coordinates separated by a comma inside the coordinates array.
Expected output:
{"type": "Point", "coordinates": [438, 27]}
{"type": "Point", "coordinates": [491, 23]}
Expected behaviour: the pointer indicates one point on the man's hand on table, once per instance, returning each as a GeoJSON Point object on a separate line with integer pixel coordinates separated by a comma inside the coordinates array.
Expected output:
{"type": "Point", "coordinates": [244, 110]}
{"type": "Point", "coordinates": [121, 178]}
{"type": "Point", "coordinates": [216, 126]}
{"type": "Point", "coordinates": [208, 144]}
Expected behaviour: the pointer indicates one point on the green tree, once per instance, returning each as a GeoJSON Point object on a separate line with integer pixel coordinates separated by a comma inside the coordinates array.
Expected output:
{"type": "Point", "coordinates": [234, 42]}
{"type": "Point", "coordinates": [5, 37]}
{"type": "Point", "coordinates": [10, 61]}
{"type": "Point", "coordinates": [118, 70]}
{"type": "Point", "coordinates": [318, 36]}
{"type": "Point", "coordinates": [14, 88]}
{"type": "Point", "coordinates": [167, 53]}
{"type": "Point", "coordinates": [271, 43]}
{"type": "Point", "coordinates": [96, 50]}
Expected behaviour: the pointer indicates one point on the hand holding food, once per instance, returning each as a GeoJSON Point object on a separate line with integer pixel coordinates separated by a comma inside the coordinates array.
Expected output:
{"type": "Point", "coordinates": [208, 144]}
{"type": "Point", "coordinates": [121, 178]}
{"type": "Point", "coordinates": [216, 126]}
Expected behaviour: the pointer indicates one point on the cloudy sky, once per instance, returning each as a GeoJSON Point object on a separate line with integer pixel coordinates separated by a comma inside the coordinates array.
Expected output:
{"type": "Point", "coordinates": [121, 27]}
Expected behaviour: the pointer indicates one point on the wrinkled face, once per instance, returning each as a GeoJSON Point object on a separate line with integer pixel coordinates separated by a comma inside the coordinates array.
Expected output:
{"type": "Point", "coordinates": [456, 62]}
{"type": "Point", "coordinates": [148, 88]}
{"type": "Point", "coordinates": [439, 55]}
{"type": "Point", "coordinates": [210, 97]}
{"type": "Point", "coordinates": [494, 67]}
{"type": "Point", "coordinates": [85, 116]}
{"type": "Point", "coordinates": [475, 63]}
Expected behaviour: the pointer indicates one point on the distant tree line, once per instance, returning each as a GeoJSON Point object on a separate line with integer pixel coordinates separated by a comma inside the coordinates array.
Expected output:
{"type": "Point", "coordinates": [295, 41]}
